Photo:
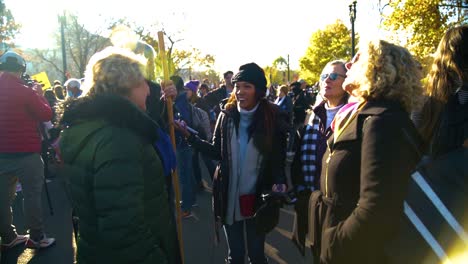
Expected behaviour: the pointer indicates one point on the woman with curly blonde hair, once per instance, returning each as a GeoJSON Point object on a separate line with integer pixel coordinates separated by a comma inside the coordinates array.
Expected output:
{"type": "Point", "coordinates": [369, 159]}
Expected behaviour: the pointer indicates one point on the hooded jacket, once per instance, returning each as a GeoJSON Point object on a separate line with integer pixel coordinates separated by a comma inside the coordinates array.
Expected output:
{"type": "Point", "coordinates": [116, 182]}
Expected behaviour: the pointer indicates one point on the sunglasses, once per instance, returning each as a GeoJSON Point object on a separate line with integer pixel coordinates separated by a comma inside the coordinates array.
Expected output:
{"type": "Point", "coordinates": [333, 76]}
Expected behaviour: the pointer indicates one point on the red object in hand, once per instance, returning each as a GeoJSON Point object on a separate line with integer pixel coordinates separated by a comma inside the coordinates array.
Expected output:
{"type": "Point", "coordinates": [247, 203]}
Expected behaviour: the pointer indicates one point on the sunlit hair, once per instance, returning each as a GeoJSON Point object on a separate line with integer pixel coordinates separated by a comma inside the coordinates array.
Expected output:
{"type": "Point", "coordinates": [386, 71]}
{"type": "Point", "coordinates": [283, 88]}
{"type": "Point", "coordinates": [449, 70]}
{"type": "Point", "coordinates": [337, 62]}
{"type": "Point", "coordinates": [113, 71]}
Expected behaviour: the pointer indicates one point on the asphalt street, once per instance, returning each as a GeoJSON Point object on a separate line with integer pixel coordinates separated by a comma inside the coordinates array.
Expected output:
{"type": "Point", "coordinates": [198, 234]}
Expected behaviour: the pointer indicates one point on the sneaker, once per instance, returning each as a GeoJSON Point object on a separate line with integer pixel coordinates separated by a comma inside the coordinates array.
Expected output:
{"type": "Point", "coordinates": [45, 242]}
{"type": "Point", "coordinates": [186, 214]}
{"type": "Point", "coordinates": [19, 239]}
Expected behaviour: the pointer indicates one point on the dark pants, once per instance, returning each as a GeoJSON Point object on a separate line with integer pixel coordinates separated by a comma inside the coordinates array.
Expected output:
{"type": "Point", "coordinates": [236, 244]}
{"type": "Point", "coordinates": [29, 170]}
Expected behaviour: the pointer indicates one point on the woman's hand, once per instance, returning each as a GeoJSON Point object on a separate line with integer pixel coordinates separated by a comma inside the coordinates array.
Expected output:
{"type": "Point", "coordinates": [181, 126]}
{"type": "Point", "coordinates": [281, 188]}
{"type": "Point", "coordinates": [168, 90]}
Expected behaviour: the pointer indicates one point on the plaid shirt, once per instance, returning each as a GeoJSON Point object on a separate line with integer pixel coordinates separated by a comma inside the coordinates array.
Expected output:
{"type": "Point", "coordinates": [309, 152]}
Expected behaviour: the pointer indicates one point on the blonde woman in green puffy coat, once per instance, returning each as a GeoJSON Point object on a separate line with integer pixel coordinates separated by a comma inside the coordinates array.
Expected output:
{"type": "Point", "coordinates": [115, 176]}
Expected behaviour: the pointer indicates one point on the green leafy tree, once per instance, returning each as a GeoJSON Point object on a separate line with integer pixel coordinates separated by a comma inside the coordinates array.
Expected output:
{"type": "Point", "coordinates": [277, 73]}
{"type": "Point", "coordinates": [274, 75]}
{"type": "Point", "coordinates": [331, 43]}
{"type": "Point", "coordinates": [420, 24]}
{"type": "Point", "coordinates": [8, 27]}
{"type": "Point", "coordinates": [282, 66]}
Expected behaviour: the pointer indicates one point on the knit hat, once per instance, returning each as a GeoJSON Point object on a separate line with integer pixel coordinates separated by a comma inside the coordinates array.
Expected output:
{"type": "Point", "coordinates": [192, 85]}
{"type": "Point", "coordinates": [252, 73]}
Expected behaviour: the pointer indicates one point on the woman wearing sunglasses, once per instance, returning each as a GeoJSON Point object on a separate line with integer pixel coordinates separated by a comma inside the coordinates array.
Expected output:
{"type": "Point", "coordinates": [311, 141]}
{"type": "Point", "coordinates": [369, 158]}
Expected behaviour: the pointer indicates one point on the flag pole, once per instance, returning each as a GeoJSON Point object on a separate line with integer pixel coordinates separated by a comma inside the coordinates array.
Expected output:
{"type": "Point", "coordinates": [170, 114]}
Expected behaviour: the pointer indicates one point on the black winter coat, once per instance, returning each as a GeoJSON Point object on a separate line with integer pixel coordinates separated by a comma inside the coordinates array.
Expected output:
{"type": "Point", "coordinates": [273, 165]}
{"type": "Point", "coordinates": [364, 181]}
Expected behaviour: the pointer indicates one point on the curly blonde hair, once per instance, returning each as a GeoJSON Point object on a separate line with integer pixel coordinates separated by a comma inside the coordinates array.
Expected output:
{"type": "Point", "coordinates": [386, 71]}
{"type": "Point", "coordinates": [115, 71]}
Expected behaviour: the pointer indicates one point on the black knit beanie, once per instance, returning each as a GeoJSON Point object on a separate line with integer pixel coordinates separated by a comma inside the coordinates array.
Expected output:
{"type": "Point", "coordinates": [252, 73]}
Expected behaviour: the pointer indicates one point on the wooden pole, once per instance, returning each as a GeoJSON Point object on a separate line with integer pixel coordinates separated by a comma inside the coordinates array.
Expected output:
{"type": "Point", "coordinates": [170, 113]}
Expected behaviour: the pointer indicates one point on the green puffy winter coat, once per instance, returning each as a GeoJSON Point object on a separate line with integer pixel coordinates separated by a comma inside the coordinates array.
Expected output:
{"type": "Point", "coordinates": [116, 183]}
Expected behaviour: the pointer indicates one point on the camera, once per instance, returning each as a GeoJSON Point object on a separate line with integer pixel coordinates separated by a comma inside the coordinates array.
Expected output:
{"type": "Point", "coordinates": [27, 80]}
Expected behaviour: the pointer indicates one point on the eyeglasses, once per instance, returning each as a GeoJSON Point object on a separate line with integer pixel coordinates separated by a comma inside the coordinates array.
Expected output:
{"type": "Point", "coordinates": [333, 76]}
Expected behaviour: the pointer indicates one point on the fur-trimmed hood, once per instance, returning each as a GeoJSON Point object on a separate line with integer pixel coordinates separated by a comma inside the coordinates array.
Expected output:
{"type": "Point", "coordinates": [114, 109]}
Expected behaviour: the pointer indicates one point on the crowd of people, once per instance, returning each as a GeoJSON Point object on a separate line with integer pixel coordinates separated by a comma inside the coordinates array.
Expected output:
{"type": "Point", "coordinates": [343, 156]}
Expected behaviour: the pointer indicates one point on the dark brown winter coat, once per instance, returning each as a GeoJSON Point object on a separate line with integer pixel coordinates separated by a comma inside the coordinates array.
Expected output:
{"type": "Point", "coordinates": [364, 181]}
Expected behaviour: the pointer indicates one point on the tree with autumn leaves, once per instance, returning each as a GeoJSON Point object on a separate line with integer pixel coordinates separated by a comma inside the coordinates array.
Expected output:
{"type": "Point", "coordinates": [8, 27]}
{"type": "Point", "coordinates": [416, 24]}
{"type": "Point", "coordinates": [331, 43]}
{"type": "Point", "coordinates": [420, 24]}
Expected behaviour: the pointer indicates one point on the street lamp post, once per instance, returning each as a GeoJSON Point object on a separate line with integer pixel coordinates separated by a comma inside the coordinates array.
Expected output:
{"type": "Point", "coordinates": [64, 55]}
{"type": "Point", "coordinates": [352, 17]}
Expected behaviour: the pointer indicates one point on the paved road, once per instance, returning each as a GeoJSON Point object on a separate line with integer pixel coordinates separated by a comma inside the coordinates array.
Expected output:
{"type": "Point", "coordinates": [198, 235]}
{"type": "Point", "coordinates": [58, 225]}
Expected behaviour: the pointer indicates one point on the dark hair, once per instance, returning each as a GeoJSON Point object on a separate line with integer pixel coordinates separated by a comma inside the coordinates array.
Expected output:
{"type": "Point", "coordinates": [263, 120]}
{"type": "Point", "coordinates": [178, 82]}
{"type": "Point", "coordinates": [204, 85]}
{"type": "Point", "coordinates": [50, 96]}
{"type": "Point", "coordinates": [227, 73]}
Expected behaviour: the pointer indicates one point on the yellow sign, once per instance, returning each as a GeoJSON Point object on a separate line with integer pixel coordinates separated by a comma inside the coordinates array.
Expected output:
{"type": "Point", "coordinates": [42, 79]}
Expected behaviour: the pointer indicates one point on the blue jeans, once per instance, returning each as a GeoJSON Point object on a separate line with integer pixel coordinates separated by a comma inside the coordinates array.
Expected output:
{"type": "Point", "coordinates": [187, 181]}
{"type": "Point", "coordinates": [255, 242]}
